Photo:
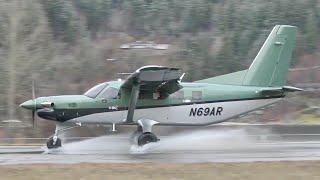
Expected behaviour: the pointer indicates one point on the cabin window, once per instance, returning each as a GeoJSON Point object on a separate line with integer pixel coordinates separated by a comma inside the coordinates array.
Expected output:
{"type": "Point", "coordinates": [196, 95]}
{"type": "Point", "coordinates": [93, 92]}
{"type": "Point", "coordinates": [145, 95]}
{"type": "Point", "coordinates": [111, 93]}
{"type": "Point", "coordinates": [179, 95]}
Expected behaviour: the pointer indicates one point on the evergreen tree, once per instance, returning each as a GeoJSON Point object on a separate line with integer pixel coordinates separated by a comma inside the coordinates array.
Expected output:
{"type": "Point", "coordinates": [62, 19]}
{"type": "Point", "coordinates": [312, 31]}
{"type": "Point", "coordinates": [96, 11]}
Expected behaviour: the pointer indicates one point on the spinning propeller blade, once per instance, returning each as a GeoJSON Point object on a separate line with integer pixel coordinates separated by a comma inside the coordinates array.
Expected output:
{"type": "Point", "coordinates": [34, 104]}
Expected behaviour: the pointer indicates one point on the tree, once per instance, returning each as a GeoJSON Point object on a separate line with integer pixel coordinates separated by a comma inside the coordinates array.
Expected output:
{"type": "Point", "coordinates": [62, 19]}
{"type": "Point", "coordinates": [135, 11]}
{"type": "Point", "coordinates": [312, 32]}
{"type": "Point", "coordinates": [97, 12]}
{"type": "Point", "coordinates": [26, 44]}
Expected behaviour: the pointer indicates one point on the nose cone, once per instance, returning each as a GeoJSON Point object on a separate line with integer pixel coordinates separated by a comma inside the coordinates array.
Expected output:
{"type": "Point", "coordinates": [28, 104]}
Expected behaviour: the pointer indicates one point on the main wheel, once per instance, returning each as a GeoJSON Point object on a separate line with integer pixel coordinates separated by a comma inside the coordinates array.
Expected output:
{"type": "Point", "coordinates": [146, 138]}
{"type": "Point", "coordinates": [51, 144]}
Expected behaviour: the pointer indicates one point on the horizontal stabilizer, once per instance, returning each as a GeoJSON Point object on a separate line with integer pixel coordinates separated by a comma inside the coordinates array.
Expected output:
{"type": "Point", "coordinates": [280, 90]}
{"type": "Point", "coordinates": [291, 89]}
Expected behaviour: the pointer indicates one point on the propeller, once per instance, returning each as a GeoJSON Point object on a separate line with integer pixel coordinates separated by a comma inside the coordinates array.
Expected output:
{"type": "Point", "coordinates": [34, 104]}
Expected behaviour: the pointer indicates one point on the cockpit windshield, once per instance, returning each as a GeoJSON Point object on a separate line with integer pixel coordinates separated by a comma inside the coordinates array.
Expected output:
{"type": "Point", "coordinates": [93, 92]}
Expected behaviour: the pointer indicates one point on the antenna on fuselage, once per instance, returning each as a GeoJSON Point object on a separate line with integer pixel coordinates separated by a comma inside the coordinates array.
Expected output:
{"type": "Point", "coordinates": [181, 77]}
{"type": "Point", "coordinates": [124, 73]}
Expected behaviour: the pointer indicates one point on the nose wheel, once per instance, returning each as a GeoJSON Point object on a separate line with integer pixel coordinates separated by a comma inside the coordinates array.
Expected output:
{"type": "Point", "coordinates": [54, 142]}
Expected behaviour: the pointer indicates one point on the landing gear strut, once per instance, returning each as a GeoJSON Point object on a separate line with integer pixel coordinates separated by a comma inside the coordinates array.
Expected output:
{"type": "Point", "coordinates": [54, 141]}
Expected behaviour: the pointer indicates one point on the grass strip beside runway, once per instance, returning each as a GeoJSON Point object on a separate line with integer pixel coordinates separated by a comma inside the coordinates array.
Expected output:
{"type": "Point", "coordinates": [223, 171]}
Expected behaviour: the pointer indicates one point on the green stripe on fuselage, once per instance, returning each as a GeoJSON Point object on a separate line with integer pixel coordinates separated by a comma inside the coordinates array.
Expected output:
{"type": "Point", "coordinates": [69, 107]}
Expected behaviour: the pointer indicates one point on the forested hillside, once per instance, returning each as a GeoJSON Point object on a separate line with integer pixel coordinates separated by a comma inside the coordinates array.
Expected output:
{"type": "Point", "coordinates": [62, 45]}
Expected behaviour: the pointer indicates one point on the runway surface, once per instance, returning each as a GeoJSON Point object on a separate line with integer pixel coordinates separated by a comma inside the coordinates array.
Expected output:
{"type": "Point", "coordinates": [202, 146]}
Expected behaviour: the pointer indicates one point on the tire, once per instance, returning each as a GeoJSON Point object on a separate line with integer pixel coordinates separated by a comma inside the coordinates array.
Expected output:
{"type": "Point", "coordinates": [51, 145]}
{"type": "Point", "coordinates": [146, 138]}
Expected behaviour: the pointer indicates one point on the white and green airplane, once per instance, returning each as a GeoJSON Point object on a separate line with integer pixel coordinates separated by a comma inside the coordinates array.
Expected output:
{"type": "Point", "coordinates": [155, 95]}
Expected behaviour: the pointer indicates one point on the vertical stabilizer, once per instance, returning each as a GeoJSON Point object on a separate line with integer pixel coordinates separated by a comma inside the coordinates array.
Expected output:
{"type": "Point", "coordinates": [270, 66]}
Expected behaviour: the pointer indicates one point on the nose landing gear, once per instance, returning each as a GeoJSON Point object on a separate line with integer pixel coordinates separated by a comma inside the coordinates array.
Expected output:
{"type": "Point", "coordinates": [54, 142]}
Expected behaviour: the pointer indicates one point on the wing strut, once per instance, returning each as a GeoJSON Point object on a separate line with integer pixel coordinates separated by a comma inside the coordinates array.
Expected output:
{"type": "Point", "coordinates": [133, 102]}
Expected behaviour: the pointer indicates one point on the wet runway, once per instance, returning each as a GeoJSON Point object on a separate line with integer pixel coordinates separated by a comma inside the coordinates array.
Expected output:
{"type": "Point", "coordinates": [262, 152]}
{"type": "Point", "coordinates": [188, 147]}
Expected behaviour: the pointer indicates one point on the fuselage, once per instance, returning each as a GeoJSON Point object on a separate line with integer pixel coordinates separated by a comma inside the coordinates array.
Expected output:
{"type": "Point", "coordinates": [194, 104]}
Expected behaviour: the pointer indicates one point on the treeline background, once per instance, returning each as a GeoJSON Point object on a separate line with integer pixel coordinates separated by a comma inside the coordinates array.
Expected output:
{"type": "Point", "coordinates": [62, 45]}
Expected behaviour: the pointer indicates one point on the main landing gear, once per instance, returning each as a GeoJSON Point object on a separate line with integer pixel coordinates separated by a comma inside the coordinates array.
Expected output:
{"type": "Point", "coordinates": [146, 138]}
{"type": "Point", "coordinates": [143, 134]}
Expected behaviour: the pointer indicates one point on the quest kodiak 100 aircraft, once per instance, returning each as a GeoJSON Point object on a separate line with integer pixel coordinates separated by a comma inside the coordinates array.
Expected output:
{"type": "Point", "coordinates": [155, 95]}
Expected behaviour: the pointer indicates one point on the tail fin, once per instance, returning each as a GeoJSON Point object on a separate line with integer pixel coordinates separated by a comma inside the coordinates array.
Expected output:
{"type": "Point", "coordinates": [270, 67]}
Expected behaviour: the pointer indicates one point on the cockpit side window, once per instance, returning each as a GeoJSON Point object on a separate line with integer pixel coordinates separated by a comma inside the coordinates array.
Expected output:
{"type": "Point", "coordinates": [93, 92]}
{"type": "Point", "coordinates": [111, 93]}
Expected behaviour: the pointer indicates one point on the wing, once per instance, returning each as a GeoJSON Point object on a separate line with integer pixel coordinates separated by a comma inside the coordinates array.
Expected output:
{"type": "Point", "coordinates": [155, 79]}
{"type": "Point", "coordinates": [148, 80]}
